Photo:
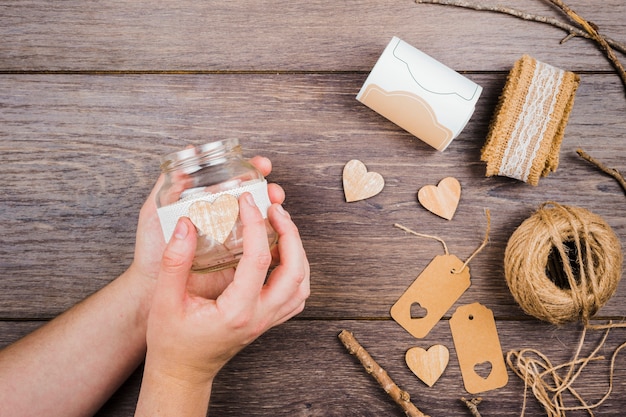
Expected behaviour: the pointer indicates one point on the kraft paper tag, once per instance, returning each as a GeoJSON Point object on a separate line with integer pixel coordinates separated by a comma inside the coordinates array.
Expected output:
{"type": "Point", "coordinates": [478, 348]}
{"type": "Point", "coordinates": [433, 292]}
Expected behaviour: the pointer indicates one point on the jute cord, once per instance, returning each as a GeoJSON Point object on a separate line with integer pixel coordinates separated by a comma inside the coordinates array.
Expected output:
{"type": "Point", "coordinates": [547, 383]}
{"type": "Point", "coordinates": [445, 247]}
{"type": "Point", "coordinates": [585, 247]}
{"type": "Point", "coordinates": [590, 257]}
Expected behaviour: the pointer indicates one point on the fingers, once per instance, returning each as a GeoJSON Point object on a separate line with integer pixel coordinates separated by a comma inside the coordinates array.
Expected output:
{"type": "Point", "coordinates": [150, 204]}
{"type": "Point", "coordinates": [251, 271]}
{"type": "Point", "coordinates": [176, 262]}
{"type": "Point", "coordinates": [276, 193]}
{"type": "Point", "coordinates": [264, 165]}
{"type": "Point", "coordinates": [289, 283]}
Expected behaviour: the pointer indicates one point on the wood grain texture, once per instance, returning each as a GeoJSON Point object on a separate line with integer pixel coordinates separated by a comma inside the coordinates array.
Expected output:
{"type": "Point", "coordinates": [80, 160]}
{"type": "Point", "coordinates": [308, 372]}
{"type": "Point", "coordinates": [92, 94]}
{"type": "Point", "coordinates": [282, 35]}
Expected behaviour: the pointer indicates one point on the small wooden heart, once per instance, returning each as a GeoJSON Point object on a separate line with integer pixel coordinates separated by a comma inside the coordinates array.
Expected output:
{"type": "Point", "coordinates": [358, 184]}
{"type": "Point", "coordinates": [428, 365]}
{"type": "Point", "coordinates": [442, 199]}
{"type": "Point", "coordinates": [215, 220]}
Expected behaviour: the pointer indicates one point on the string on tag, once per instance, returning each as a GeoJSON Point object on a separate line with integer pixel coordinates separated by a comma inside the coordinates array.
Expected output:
{"type": "Point", "coordinates": [445, 247]}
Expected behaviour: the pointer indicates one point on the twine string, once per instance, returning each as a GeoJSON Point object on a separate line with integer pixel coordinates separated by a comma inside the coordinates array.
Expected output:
{"type": "Point", "coordinates": [406, 229]}
{"type": "Point", "coordinates": [549, 386]}
{"type": "Point", "coordinates": [445, 247]}
{"type": "Point", "coordinates": [587, 275]}
{"type": "Point", "coordinates": [584, 280]}
{"type": "Point", "coordinates": [482, 245]}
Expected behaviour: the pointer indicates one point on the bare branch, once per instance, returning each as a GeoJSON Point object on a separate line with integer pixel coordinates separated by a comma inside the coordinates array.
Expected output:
{"type": "Point", "coordinates": [401, 397]}
{"type": "Point", "coordinates": [592, 30]}
{"type": "Point", "coordinates": [589, 29]}
{"type": "Point", "coordinates": [570, 29]}
{"type": "Point", "coordinates": [472, 405]}
{"type": "Point", "coordinates": [609, 171]}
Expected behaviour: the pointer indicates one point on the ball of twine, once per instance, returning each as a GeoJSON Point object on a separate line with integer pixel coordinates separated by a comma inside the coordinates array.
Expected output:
{"type": "Point", "coordinates": [563, 263]}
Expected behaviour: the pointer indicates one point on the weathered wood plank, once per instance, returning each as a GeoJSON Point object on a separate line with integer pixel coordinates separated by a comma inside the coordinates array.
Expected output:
{"type": "Point", "coordinates": [301, 369]}
{"type": "Point", "coordinates": [80, 153]}
{"type": "Point", "coordinates": [93, 93]}
{"type": "Point", "coordinates": [283, 35]}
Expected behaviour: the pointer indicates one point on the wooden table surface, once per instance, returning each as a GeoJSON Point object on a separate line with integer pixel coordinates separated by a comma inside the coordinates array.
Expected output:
{"type": "Point", "coordinates": [92, 94]}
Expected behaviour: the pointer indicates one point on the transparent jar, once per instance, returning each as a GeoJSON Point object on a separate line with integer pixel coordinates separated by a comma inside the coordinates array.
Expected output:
{"type": "Point", "coordinates": [200, 183]}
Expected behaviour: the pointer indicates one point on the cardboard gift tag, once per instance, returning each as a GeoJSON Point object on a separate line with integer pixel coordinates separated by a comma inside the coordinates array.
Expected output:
{"type": "Point", "coordinates": [428, 364]}
{"type": "Point", "coordinates": [432, 293]}
{"type": "Point", "coordinates": [478, 348]}
{"type": "Point", "coordinates": [216, 219]}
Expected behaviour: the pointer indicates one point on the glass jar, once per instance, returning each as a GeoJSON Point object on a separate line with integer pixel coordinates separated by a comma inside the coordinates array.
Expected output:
{"type": "Point", "coordinates": [204, 184]}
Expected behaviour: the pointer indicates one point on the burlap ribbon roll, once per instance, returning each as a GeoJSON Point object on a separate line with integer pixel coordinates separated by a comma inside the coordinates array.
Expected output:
{"type": "Point", "coordinates": [527, 129]}
{"type": "Point", "coordinates": [563, 263]}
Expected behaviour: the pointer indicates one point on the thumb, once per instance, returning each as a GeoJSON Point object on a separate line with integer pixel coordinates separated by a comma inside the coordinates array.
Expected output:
{"type": "Point", "coordinates": [177, 260]}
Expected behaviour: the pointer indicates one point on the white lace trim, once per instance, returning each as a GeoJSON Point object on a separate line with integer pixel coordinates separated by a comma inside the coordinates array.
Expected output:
{"type": "Point", "coordinates": [169, 215]}
{"type": "Point", "coordinates": [531, 124]}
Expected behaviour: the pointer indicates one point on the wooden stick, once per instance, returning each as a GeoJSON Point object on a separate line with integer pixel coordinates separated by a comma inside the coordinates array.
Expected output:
{"type": "Point", "coordinates": [591, 29]}
{"type": "Point", "coordinates": [402, 398]}
{"type": "Point", "coordinates": [570, 29]}
{"type": "Point", "coordinates": [609, 171]}
{"type": "Point", "coordinates": [588, 28]}
{"type": "Point", "coordinates": [472, 405]}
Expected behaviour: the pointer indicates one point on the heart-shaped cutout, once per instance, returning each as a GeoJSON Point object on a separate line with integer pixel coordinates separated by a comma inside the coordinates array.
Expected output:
{"type": "Point", "coordinates": [417, 311]}
{"type": "Point", "coordinates": [483, 369]}
{"type": "Point", "coordinates": [215, 220]}
{"type": "Point", "coordinates": [428, 365]}
{"type": "Point", "coordinates": [358, 184]}
{"type": "Point", "coordinates": [442, 199]}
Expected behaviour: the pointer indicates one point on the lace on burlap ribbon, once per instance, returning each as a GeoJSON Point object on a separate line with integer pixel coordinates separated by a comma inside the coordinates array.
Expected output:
{"type": "Point", "coordinates": [526, 132]}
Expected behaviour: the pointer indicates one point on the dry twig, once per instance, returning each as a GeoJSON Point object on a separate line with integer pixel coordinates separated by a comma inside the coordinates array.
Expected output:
{"type": "Point", "coordinates": [402, 398]}
{"type": "Point", "coordinates": [570, 29]}
{"type": "Point", "coordinates": [588, 31]}
{"type": "Point", "coordinates": [609, 171]}
{"type": "Point", "coordinates": [592, 30]}
{"type": "Point", "coordinates": [472, 405]}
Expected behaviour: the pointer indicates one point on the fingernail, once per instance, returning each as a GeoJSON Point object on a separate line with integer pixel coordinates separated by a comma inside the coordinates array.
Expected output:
{"type": "Point", "coordinates": [249, 199]}
{"type": "Point", "coordinates": [181, 230]}
{"type": "Point", "coordinates": [282, 211]}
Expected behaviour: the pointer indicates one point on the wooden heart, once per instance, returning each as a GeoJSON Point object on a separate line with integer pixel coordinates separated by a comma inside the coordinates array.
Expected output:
{"type": "Point", "coordinates": [428, 365]}
{"type": "Point", "coordinates": [358, 184]}
{"type": "Point", "coordinates": [215, 220]}
{"type": "Point", "coordinates": [442, 199]}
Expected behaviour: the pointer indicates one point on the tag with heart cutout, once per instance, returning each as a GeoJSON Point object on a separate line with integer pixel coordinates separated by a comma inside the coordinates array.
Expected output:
{"type": "Point", "coordinates": [428, 365]}
{"type": "Point", "coordinates": [358, 183]}
{"type": "Point", "coordinates": [442, 199]}
{"type": "Point", "coordinates": [478, 348]}
{"type": "Point", "coordinates": [215, 220]}
{"type": "Point", "coordinates": [432, 293]}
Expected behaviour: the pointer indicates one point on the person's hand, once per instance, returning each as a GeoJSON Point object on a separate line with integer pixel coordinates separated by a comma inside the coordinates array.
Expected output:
{"type": "Point", "coordinates": [150, 243]}
{"type": "Point", "coordinates": [191, 337]}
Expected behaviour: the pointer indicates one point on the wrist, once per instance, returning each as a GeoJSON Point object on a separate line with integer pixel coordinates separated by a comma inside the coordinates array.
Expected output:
{"type": "Point", "coordinates": [173, 391]}
{"type": "Point", "coordinates": [141, 290]}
